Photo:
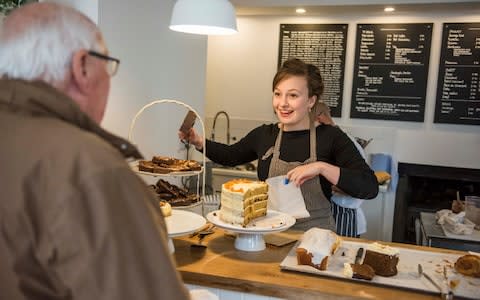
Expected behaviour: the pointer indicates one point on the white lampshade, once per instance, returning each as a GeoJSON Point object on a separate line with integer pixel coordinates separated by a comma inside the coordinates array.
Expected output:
{"type": "Point", "coordinates": [212, 17]}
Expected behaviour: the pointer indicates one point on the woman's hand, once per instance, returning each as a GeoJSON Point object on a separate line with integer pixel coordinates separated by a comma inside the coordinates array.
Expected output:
{"type": "Point", "coordinates": [193, 138]}
{"type": "Point", "coordinates": [303, 173]}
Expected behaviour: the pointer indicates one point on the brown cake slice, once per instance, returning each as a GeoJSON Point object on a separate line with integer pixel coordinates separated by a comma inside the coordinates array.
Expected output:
{"type": "Point", "coordinates": [146, 166]}
{"type": "Point", "coordinates": [382, 258]}
{"type": "Point", "coordinates": [358, 271]}
{"type": "Point", "coordinates": [164, 160]}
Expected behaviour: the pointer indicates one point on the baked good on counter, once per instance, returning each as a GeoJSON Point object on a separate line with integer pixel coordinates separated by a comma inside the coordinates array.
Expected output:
{"type": "Point", "coordinates": [165, 208]}
{"type": "Point", "coordinates": [165, 165]}
{"type": "Point", "coordinates": [243, 200]}
{"type": "Point", "coordinates": [468, 265]}
{"type": "Point", "coordinates": [174, 195]}
{"type": "Point", "coordinates": [382, 258]}
{"type": "Point", "coordinates": [358, 271]}
{"type": "Point", "coordinates": [316, 247]}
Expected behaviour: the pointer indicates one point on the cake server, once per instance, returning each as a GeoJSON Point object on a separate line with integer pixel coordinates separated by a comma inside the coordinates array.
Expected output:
{"type": "Point", "coordinates": [188, 122]}
{"type": "Point", "coordinates": [449, 295]}
{"type": "Point", "coordinates": [421, 273]}
{"type": "Point", "coordinates": [359, 256]}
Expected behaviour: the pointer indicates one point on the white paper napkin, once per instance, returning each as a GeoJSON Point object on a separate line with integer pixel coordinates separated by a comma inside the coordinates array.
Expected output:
{"type": "Point", "coordinates": [286, 198]}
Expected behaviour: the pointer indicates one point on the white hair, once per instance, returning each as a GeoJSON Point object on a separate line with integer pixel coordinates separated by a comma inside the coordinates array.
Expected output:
{"type": "Point", "coordinates": [43, 48]}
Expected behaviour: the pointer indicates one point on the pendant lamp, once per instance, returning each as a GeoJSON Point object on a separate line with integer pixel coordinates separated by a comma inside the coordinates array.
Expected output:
{"type": "Point", "coordinates": [211, 17]}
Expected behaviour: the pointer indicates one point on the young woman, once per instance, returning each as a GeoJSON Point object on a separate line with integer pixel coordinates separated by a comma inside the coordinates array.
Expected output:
{"type": "Point", "coordinates": [311, 155]}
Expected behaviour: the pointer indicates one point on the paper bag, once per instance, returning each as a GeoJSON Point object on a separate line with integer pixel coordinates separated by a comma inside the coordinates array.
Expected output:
{"type": "Point", "coordinates": [286, 198]}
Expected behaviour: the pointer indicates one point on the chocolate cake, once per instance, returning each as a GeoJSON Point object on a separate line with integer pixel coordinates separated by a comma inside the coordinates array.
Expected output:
{"type": "Point", "coordinates": [358, 271]}
{"type": "Point", "coordinates": [173, 194]}
{"type": "Point", "coordinates": [382, 258]}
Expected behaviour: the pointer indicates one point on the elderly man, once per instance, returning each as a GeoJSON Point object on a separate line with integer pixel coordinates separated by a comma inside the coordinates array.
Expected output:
{"type": "Point", "coordinates": [75, 222]}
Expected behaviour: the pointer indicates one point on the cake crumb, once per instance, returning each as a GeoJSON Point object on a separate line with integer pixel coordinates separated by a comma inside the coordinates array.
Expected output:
{"type": "Point", "coordinates": [454, 283]}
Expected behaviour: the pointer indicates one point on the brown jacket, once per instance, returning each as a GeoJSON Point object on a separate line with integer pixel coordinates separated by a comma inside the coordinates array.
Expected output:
{"type": "Point", "coordinates": [75, 221]}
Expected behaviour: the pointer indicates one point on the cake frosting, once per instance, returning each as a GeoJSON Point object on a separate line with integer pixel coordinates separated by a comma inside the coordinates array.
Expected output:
{"type": "Point", "coordinates": [316, 247]}
{"type": "Point", "coordinates": [243, 200]}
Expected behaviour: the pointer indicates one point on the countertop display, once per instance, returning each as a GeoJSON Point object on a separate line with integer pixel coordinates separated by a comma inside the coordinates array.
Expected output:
{"type": "Point", "coordinates": [214, 262]}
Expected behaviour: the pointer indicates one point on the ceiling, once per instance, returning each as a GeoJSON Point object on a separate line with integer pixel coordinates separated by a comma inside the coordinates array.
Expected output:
{"type": "Point", "coordinates": [325, 7]}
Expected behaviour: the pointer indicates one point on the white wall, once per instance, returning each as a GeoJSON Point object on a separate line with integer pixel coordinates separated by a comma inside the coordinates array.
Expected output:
{"type": "Point", "coordinates": [240, 69]}
{"type": "Point", "coordinates": [156, 63]}
{"type": "Point", "coordinates": [89, 8]}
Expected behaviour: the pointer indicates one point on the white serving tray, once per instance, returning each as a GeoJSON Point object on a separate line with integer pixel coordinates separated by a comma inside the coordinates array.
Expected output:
{"type": "Point", "coordinates": [407, 277]}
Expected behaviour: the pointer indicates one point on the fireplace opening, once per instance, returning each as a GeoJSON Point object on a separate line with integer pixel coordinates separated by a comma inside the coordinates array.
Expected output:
{"type": "Point", "coordinates": [424, 188]}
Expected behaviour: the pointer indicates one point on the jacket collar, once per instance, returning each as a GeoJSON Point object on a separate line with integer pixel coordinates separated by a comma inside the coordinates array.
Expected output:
{"type": "Point", "coordinates": [40, 99]}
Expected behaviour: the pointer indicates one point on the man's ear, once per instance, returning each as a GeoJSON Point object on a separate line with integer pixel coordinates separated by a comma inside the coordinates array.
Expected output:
{"type": "Point", "coordinates": [80, 75]}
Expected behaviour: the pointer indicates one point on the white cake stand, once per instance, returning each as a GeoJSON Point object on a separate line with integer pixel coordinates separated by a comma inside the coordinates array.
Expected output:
{"type": "Point", "coordinates": [250, 238]}
{"type": "Point", "coordinates": [182, 222]}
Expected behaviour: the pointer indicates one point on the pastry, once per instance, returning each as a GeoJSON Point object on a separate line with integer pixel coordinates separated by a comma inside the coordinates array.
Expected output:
{"type": "Point", "coordinates": [468, 265]}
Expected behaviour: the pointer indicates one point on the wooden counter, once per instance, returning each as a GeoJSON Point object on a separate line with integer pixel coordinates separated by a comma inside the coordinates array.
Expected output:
{"type": "Point", "coordinates": [220, 265]}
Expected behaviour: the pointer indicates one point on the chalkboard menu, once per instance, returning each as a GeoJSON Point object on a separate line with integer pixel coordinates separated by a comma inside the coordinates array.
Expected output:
{"type": "Point", "coordinates": [458, 89]}
{"type": "Point", "coordinates": [391, 71]}
{"type": "Point", "coordinates": [322, 45]}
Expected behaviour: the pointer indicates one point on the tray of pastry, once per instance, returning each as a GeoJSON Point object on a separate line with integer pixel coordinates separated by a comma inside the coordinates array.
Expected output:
{"type": "Point", "coordinates": [406, 273]}
{"type": "Point", "coordinates": [163, 165]}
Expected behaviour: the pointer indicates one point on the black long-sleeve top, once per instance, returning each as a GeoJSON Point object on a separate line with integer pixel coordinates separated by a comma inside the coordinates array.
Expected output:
{"type": "Point", "coordinates": [333, 146]}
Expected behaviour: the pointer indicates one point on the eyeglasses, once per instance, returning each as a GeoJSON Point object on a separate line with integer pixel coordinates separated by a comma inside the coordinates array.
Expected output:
{"type": "Point", "coordinates": [112, 63]}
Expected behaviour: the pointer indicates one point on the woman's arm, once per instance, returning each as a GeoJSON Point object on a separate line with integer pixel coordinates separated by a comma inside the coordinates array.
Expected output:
{"type": "Point", "coordinates": [356, 178]}
{"type": "Point", "coordinates": [305, 172]}
{"type": "Point", "coordinates": [228, 155]}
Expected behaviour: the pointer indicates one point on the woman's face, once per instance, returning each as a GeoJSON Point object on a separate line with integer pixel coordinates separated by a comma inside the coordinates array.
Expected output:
{"type": "Point", "coordinates": [292, 104]}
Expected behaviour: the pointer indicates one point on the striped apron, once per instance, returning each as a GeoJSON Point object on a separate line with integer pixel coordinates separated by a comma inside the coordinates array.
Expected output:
{"type": "Point", "coordinates": [345, 219]}
{"type": "Point", "coordinates": [315, 201]}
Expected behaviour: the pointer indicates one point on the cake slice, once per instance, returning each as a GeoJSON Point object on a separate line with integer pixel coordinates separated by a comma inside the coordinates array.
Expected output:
{"type": "Point", "coordinates": [358, 271]}
{"type": "Point", "coordinates": [243, 200]}
{"type": "Point", "coordinates": [382, 258]}
{"type": "Point", "coordinates": [316, 247]}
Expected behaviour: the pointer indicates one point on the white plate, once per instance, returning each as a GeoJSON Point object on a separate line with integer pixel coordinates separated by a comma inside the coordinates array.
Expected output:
{"type": "Point", "coordinates": [274, 221]}
{"type": "Point", "coordinates": [183, 222]}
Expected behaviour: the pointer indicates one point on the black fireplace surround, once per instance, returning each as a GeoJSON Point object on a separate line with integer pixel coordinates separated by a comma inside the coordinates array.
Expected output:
{"type": "Point", "coordinates": [426, 188]}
